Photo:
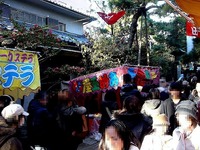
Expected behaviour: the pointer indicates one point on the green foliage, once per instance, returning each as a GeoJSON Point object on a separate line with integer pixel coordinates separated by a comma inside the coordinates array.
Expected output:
{"type": "Point", "coordinates": [112, 50]}
{"type": "Point", "coordinates": [194, 55]}
{"type": "Point", "coordinates": [64, 71]}
{"type": "Point", "coordinates": [177, 38]}
{"type": "Point", "coordinates": [34, 37]}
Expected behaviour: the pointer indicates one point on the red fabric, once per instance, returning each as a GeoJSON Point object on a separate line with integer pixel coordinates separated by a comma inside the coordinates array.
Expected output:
{"type": "Point", "coordinates": [191, 30]}
{"type": "Point", "coordinates": [140, 78]}
{"type": "Point", "coordinates": [140, 74]}
{"type": "Point", "coordinates": [118, 98]}
{"type": "Point", "coordinates": [104, 81]}
{"type": "Point", "coordinates": [111, 18]}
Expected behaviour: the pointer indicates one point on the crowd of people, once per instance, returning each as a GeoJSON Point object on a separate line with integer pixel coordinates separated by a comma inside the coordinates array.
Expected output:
{"type": "Point", "coordinates": [160, 117]}
{"type": "Point", "coordinates": [53, 122]}
{"type": "Point", "coordinates": [156, 117]}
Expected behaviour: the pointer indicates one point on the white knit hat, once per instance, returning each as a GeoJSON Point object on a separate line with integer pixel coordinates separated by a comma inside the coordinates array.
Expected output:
{"type": "Point", "coordinates": [13, 110]}
{"type": "Point", "coordinates": [160, 120]}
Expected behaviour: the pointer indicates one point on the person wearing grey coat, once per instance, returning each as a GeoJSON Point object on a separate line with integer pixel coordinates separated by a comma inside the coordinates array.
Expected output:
{"type": "Point", "coordinates": [152, 105]}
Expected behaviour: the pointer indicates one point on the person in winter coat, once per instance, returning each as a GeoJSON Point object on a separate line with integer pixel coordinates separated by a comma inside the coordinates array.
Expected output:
{"type": "Point", "coordinates": [152, 105]}
{"type": "Point", "coordinates": [186, 136]}
{"type": "Point", "coordinates": [69, 121]}
{"type": "Point", "coordinates": [12, 118]}
{"type": "Point", "coordinates": [157, 139]}
{"type": "Point", "coordinates": [131, 116]}
{"type": "Point", "coordinates": [39, 121]}
{"type": "Point", "coordinates": [128, 87]}
{"type": "Point", "coordinates": [107, 107]}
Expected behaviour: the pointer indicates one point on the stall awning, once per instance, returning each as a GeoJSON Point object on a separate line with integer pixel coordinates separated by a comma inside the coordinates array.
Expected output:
{"type": "Point", "coordinates": [113, 78]}
{"type": "Point", "coordinates": [19, 73]}
{"type": "Point", "coordinates": [191, 7]}
{"type": "Point", "coordinates": [70, 37]}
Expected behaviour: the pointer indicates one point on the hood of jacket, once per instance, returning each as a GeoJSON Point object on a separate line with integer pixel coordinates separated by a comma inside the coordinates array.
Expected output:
{"type": "Point", "coordinates": [35, 105]}
{"type": "Point", "coordinates": [128, 87]}
{"type": "Point", "coordinates": [130, 118]}
{"type": "Point", "coordinates": [5, 129]}
{"type": "Point", "coordinates": [153, 103]}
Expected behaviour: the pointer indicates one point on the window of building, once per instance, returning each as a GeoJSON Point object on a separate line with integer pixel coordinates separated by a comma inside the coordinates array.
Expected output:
{"type": "Point", "coordinates": [31, 19]}
{"type": "Point", "coordinates": [52, 23]}
{"type": "Point", "coordinates": [41, 21]}
{"type": "Point", "coordinates": [17, 15]}
{"type": "Point", "coordinates": [5, 10]}
{"type": "Point", "coordinates": [25, 17]}
{"type": "Point", "coordinates": [62, 27]}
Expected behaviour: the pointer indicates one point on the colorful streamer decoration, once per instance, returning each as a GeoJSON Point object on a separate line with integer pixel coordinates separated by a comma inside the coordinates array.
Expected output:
{"type": "Point", "coordinates": [104, 81]}
{"type": "Point", "coordinates": [95, 84]}
{"type": "Point", "coordinates": [87, 86]}
{"type": "Point", "coordinates": [114, 81]}
{"type": "Point", "coordinates": [111, 78]}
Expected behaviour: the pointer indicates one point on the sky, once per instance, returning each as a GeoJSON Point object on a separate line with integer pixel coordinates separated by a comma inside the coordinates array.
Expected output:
{"type": "Point", "coordinates": [78, 5]}
{"type": "Point", "coordinates": [83, 6]}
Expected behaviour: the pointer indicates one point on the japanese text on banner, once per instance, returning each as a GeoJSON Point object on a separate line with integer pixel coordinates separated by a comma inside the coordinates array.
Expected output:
{"type": "Point", "coordinates": [19, 70]}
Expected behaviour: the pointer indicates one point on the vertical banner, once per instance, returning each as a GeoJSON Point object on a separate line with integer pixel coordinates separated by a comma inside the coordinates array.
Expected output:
{"type": "Point", "coordinates": [191, 30]}
{"type": "Point", "coordinates": [19, 70]}
{"type": "Point", "coordinates": [191, 33]}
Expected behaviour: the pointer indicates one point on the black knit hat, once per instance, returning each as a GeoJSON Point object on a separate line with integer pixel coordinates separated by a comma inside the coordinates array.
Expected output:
{"type": "Point", "coordinates": [177, 86]}
{"type": "Point", "coordinates": [6, 99]}
{"type": "Point", "coordinates": [187, 107]}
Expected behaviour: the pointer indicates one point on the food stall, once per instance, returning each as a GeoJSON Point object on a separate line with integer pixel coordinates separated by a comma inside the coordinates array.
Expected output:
{"type": "Point", "coordinates": [19, 73]}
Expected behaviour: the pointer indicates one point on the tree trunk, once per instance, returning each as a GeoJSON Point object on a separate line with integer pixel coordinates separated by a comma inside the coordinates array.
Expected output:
{"type": "Point", "coordinates": [133, 28]}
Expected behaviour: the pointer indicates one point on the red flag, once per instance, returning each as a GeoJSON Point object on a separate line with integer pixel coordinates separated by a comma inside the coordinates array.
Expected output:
{"type": "Point", "coordinates": [191, 30]}
{"type": "Point", "coordinates": [111, 18]}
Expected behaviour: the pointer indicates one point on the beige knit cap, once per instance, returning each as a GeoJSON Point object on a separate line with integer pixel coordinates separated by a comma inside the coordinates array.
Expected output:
{"type": "Point", "coordinates": [160, 120]}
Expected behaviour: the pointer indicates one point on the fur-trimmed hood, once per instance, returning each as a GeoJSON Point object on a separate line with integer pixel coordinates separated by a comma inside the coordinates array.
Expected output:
{"type": "Point", "coordinates": [5, 129]}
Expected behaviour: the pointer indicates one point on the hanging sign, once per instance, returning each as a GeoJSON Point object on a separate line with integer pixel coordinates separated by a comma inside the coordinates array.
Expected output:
{"type": "Point", "coordinates": [191, 30]}
{"type": "Point", "coordinates": [19, 70]}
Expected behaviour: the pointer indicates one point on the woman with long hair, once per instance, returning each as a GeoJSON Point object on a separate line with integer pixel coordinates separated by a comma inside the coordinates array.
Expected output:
{"type": "Point", "coordinates": [117, 136]}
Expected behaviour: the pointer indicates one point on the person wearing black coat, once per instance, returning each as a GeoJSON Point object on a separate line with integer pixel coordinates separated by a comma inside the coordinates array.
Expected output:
{"type": "Point", "coordinates": [107, 107]}
{"type": "Point", "coordinates": [132, 117]}
{"type": "Point", "coordinates": [39, 121]}
{"type": "Point", "coordinates": [128, 88]}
